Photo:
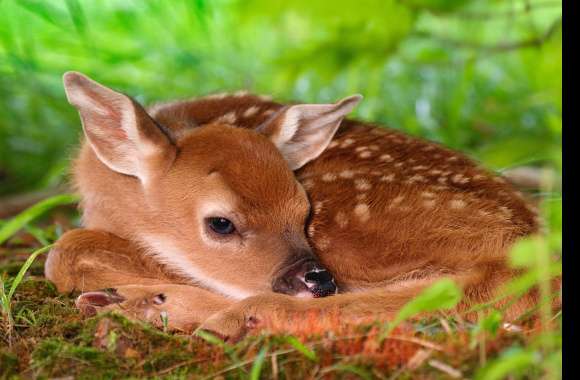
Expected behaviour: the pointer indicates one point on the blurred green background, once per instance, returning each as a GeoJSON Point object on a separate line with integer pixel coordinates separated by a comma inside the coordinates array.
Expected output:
{"type": "Point", "coordinates": [481, 76]}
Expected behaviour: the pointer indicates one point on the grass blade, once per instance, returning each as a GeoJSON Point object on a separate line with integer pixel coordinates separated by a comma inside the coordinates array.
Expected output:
{"type": "Point", "coordinates": [443, 294]}
{"type": "Point", "coordinates": [33, 212]}
{"type": "Point", "coordinates": [24, 269]}
{"type": "Point", "coordinates": [258, 364]}
{"type": "Point", "coordinates": [292, 340]}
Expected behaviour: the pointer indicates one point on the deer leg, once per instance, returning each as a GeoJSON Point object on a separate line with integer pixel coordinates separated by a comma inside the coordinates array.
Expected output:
{"type": "Point", "coordinates": [84, 260]}
{"type": "Point", "coordinates": [382, 303]}
{"type": "Point", "coordinates": [177, 307]}
{"type": "Point", "coordinates": [88, 261]}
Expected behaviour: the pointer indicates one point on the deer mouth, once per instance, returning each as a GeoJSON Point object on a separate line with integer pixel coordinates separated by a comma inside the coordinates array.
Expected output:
{"type": "Point", "coordinates": [305, 278]}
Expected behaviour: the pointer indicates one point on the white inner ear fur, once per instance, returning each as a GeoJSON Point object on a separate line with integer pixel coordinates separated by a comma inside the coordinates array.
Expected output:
{"type": "Point", "coordinates": [289, 127]}
{"type": "Point", "coordinates": [102, 110]}
{"type": "Point", "coordinates": [307, 129]}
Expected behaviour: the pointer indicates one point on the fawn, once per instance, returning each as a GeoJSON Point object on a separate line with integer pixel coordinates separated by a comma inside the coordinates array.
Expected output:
{"type": "Point", "coordinates": [219, 210]}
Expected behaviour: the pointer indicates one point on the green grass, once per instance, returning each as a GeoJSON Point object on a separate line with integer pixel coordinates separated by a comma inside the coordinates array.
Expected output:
{"type": "Point", "coordinates": [405, 57]}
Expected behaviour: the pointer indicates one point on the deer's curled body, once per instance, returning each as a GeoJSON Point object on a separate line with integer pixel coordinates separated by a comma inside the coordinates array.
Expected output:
{"type": "Point", "coordinates": [306, 191]}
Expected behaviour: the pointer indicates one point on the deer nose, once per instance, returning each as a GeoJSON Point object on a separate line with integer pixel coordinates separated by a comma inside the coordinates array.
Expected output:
{"type": "Point", "coordinates": [305, 278]}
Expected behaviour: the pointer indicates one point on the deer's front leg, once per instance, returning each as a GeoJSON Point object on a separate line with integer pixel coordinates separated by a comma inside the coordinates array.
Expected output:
{"type": "Point", "coordinates": [86, 260]}
{"type": "Point", "coordinates": [382, 303]}
{"type": "Point", "coordinates": [233, 322]}
{"type": "Point", "coordinates": [178, 307]}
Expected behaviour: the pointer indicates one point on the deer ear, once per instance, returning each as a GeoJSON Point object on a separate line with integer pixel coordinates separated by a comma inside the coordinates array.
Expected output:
{"type": "Point", "coordinates": [123, 136]}
{"type": "Point", "coordinates": [302, 132]}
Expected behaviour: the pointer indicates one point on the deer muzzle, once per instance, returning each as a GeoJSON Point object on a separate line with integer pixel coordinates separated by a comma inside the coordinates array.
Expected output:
{"type": "Point", "coordinates": [305, 278]}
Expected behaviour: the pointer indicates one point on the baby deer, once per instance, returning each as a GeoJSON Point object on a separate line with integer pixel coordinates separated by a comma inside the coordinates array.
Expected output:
{"type": "Point", "coordinates": [219, 210]}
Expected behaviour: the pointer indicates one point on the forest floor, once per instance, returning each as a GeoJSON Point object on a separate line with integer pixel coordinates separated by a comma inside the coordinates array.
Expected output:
{"type": "Point", "coordinates": [42, 335]}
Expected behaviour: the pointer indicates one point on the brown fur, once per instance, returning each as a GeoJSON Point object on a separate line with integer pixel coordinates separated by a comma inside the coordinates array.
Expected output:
{"type": "Point", "coordinates": [389, 215]}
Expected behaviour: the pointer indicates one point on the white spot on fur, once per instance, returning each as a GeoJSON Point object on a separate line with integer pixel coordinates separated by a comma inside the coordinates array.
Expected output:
{"type": "Point", "coordinates": [428, 194]}
{"type": "Point", "coordinates": [268, 112]}
{"type": "Point", "coordinates": [219, 95]}
{"type": "Point", "coordinates": [459, 178]}
{"type": "Point", "coordinates": [346, 174]}
{"type": "Point", "coordinates": [457, 204]}
{"type": "Point", "coordinates": [416, 178]}
{"type": "Point", "coordinates": [241, 93]}
{"type": "Point", "coordinates": [362, 211]}
{"type": "Point", "coordinates": [328, 177]}
{"type": "Point", "coordinates": [387, 178]}
{"type": "Point", "coordinates": [322, 243]}
{"type": "Point", "coordinates": [347, 142]}
{"type": "Point", "coordinates": [361, 197]}
{"type": "Point", "coordinates": [378, 132]}
{"type": "Point", "coordinates": [333, 144]}
{"type": "Point", "coordinates": [365, 154]}
{"type": "Point", "coordinates": [386, 158]}
{"type": "Point", "coordinates": [360, 148]}
{"type": "Point", "coordinates": [228, 118]}
{"type": "Point", "coordinates": [341, 219]}
{"type": "Point", "coordinates": [311, 230]}
{"type": "Point", "coordinates": [318, 207]}
{"type": "Point", "coordinates": [506, 211]}
{"type": "Point", "coordinates": [308, 184]}
{"type": "Point", "coordinates": [251, 111]}
{"type": "Point", "coordinates": [362, 184]}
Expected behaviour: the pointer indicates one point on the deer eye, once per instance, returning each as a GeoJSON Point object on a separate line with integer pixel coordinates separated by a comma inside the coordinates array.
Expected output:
{"type": "Point", "coordinates": [221, 226]}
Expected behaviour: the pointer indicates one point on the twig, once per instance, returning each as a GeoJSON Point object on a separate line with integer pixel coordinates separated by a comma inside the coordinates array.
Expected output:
{"type": "Point", "coordinates": [527, 177]}
{"type": "Point", "coordinates": [417, 341]}
{"type": "Point", "coordinates": [178, 365]}
{"type": "Point", "coordinates": [246, 362]}
{"type": "Point", "coordinates": [452, 372]}
{"type": "Point", "coordinates": [496, 48]}
{"type": "Point", "coordinates": [484, 16]}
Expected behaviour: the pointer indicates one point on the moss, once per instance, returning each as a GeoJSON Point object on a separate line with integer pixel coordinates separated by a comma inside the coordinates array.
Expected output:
{"type": "Point", "coordinates": [8, 364]}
